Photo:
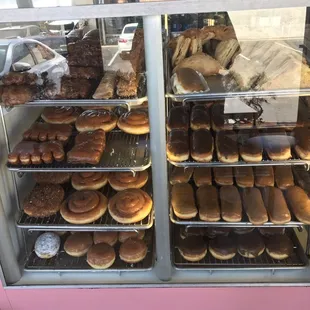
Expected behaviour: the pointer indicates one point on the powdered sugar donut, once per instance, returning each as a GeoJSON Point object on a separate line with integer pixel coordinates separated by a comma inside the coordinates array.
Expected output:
{"type": "Point", "coordinates": [47, 245]}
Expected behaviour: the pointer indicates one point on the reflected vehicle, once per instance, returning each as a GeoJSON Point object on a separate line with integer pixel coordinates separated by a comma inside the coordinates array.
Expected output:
{"type": "Point", "coordinates": [30, 55]}
{"type": "Point", "coordinates": [126, 37]}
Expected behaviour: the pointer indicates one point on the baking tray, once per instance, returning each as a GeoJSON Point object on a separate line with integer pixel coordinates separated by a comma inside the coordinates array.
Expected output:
{"type": "Point", "coordinates": [63, 262]}
{"type": "Point", "coordinates": [105, 223]}
{"type": "Point", "coordinates": [123, 152]}
{"type": "Point", "coordinates": [297, 260]}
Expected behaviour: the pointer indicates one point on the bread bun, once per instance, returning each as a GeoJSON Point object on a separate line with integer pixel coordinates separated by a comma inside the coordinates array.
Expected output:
{"type": "Point", "coordinates": [60, 115]}
{"type": "Point", "coordinates": [222, 247]}
{"type": "Point", "coordinates": [187, 80]}
{"type": "Point", "coordinates": [178, 118]}
{"type": "Point", "coordinates": [89, 180]}
{"type": "Point", "coordinates": [193, 248]}
{"type": "Point", "coordinates": [47, 245]}
{"type": "Point", "coordinates": [101, 256]}
{"type": "Point", "coordinates": [178, 145]}
{"type": "Point", "coordinates": [279, 247]}
{"type": "Point", "coordinates": [124, 235]}
{"type": "Point", "coordinates": [180, 175]}
{"type": "Point", "coordinates": [125, 180]}
{"type": "Point", "coordinates": [108, 237]}
{"type": "Point", "coordinates": [133, 250]}
{"type": "Point", "coordinates": [78, 244]}
{"type": "Point", "coordinates": [135, 122]}
{"type": "Point", "coordinates": [250, 245]}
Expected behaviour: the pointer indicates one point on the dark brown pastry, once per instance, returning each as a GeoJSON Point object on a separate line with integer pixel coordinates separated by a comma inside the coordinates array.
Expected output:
{"type": "Point", "coordinates": [223, 175]}
{"type": "Point", "coordinates": [60, 115]}
{"type": "Point", "coordinates": [193, 248]}
{"type": "Point", "coordinates": [250, 245]}
{"type": "Point", "coordinates": [178, 145]}
{"type": "Point", "coordinates": [106, 88]}
{"type": "Point", "coordinates": [299, 203]}
{"type": "Point", "coordinates": [85, 61]}
{"type": "Point", "coordinates": [226, 146]}
{"type": "Point", "coordinates": [208, 203]}
{"type": "Point", "coordinates": [74, 88]}
{"type": "Point", "coordinates": [120, 181]}
{"type": "Point", "coordinates": [52, 177]}
{"type": "Point", "coordinates": [190, 231]}
{"type": "Point", "coordinates": [276, 205]}
{"type": "Point", "coordinates": [44, 200]}
{"type": "Point", "coordinates": [263, 176]}
{"type": "Point", "coordinates": [202, 176]}
{"type": "Point", "coordinates": [17, 94]}
{"type": "Point", "coordinates": [213, 232]}
{"type": "Point", "coordinates": [128, 88]}
{"type": "Point", "coordinates": [85, 72]}
{"type": "Point", "coordinates": [19, 78]}
{"type": "Point", "coordinates": [29, 152]}
{"type": "Point", "coordinates": [135, 122]}
{"type": "Point", "coordinates": [48, 132]}
{"type": "Point", "coordinates": [302, 142]}
{"type": "Point", "coordinates": [284, 176]}
{"type": "Point", "coordinates": [218, 118]}
{"type": "Point", "coordinates": [178, 118]}
{"type": "Point", "coordinates": [277, 144]}
{"type": "Point", "coordinates": [254, 206]}
{"type": "Point", "coordinates": [91, 120]}
{"type": "Point", "coordinates": [271, 231]}
{"type": "Point", "coordinates": [243, 230]}
{"type": "Point", "coordinates": [200, 117]}
{"type": "Point", "coordinates": [180, 175]}
{"type": "Point", "coordinates": [279, 247]}
{"type": "Point", "coordinates": [250, 145]}
{"type": "Point", "coordinates": [223, 247]}
{"type": "Point", "coordinates": [87, 48]}
{"type": "Point", "coordinates": [244, 176]}
{"type": "Point", "coordinates": [88, 148]}
{"type": "Point", "coordinates": [201, 145]}
{"type": "Point", "coordinates": [187, 80]}
{"type": "Point", "coordinates": [231, 206]}
{"type": "Point", "coordinates": [183, 201]}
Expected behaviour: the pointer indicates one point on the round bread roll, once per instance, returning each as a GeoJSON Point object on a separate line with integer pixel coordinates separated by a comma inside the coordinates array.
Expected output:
{"type": "Point", "coordinates": [89, 180]}
{"type": "Point", "coordinates": [52, 177]}
{"type": "Point", "coordinates": [91, 120]}
{"type": "Point", "coordinates": [124, 235]}
{"type": "Point", "coordinates": [78, 244]}
{"type": "Point", "coordinates": [101, 256]}
{"type": "Point", "coordinates": [108, 237]}
{"type": "Point", "coordinates": [251, 245]}
{"type": "Point", "coordinates": [133, 251]}
{"type": "Point", "coordinates": [193, 248]}
{"type": "Point", "coordinates": [130, 206]}
{"type": "Point", "coordinates": [84, 207]}
{"type": "Point", "coordinates": [47, 245]}
{"type": "Point", "coordinates": [60, 115]}
{"type": "Point", "coordinates": [44, 200]}
{"type": "Point", "coordinates": [124, 180]}
{"type": "Point", "coordinates": [135, 122]}
{"type": "Point", "coordinates": [223, 247]}
{"type": "Point", "coordinates": [279, 247]}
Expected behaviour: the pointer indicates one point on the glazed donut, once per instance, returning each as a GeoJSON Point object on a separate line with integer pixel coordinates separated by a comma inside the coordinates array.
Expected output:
{"type": "Point", "coordinates": [47, 245]}
{"type": "Point", "coordinates": [124, 180]}
{"type": "Point", "coordinates": [130, 206]}
{"type": "Point", "coordinates": [108, 237]}
{"type": "Point", "coordinates": [101, 256]}
{"type": "Point", "coordinates": [133, 251]}
{"type": "Point", "coordinates": [44, 200]}
{"type": "Point", "coordinates": [84, 207]}
{"type": "Point", "coordinates": [78, 244]}
{"type": "Point", "coordinates": [135, 122]}
{"type": "Point", "coordinates": [89, 180]}
{"type": "Point", "coordinates": [91, 120]}
{"type": "Point", "coordinates": [60, 115]}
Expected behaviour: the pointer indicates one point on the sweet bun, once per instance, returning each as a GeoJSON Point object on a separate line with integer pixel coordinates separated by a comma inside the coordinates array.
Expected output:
{"type": "Point", "coordinates": [213, 232]}
{"type": "Point", "coordinates": [47, 245]}
{"type": "Point", "coordinates": [124, 235]}
{"type": "Point", "coordinates": [279, 247]}
{"type": "Point", "coordinates": [89, 180]}
{"type": "Point", "coordinates": [193, 248]}
{"type": "Point", "coordinates": [250, 245]}
{"type": "Point", "coordinates": [271, 231]}
{"type": "Point", "coordinates": [52, 177]}
{"type": "Point", "coordinates": [124, 180]}
{"type": "Point", "coordinates": [78, 244]}
{"type": "Point", "coordinates": [133, 250]}
{"type": "Point", "coordinates": [60, 115]}
{"type": "Point", "coordinates": [101, 256]}
{"type": "Point", "coordinates": [222, 247]}
{"type": "Point", "coordinates": [187, 80]}
{"type": "Point", "coordinates": [108, 237]}
{"type": "Point", "coordinates": [135, 122]}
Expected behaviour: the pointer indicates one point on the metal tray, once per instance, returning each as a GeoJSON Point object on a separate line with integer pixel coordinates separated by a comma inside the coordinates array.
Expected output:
{"type": "Point", "coordinates": [105, 223]}
{"type": "Point", "coordinates": [123, 152]}
{"type": "Point", "coordinates": [63, 262]}
{"type": "Point", "coordinates": [297, 260]}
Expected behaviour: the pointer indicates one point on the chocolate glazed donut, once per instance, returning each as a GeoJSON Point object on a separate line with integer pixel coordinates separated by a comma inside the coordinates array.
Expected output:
{"type": "Point", "coordinates": [134, 122]}
{"type": "Point", "coordinates": [84, 207]}
{"type": "Point", "coordinates": [130, 206]}
{"type": "Point", "coordinates": [89, 180]}
{"type": "Point", "coordinates": [124, 180]}
{"type": "Point", "coordinates": [60, 115]}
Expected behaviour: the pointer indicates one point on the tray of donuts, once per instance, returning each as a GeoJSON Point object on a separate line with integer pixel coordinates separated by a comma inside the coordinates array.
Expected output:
{"type": "Point", "coordinates": [69, 138]}
{"type": "Point", "coordinates": [82, 251]}
{"type": "Point", "coordinates": [231, 248]}
{"type": "Point", "coordinates": [88, 201]}
{"type": "Point", "coordinates": [243, 196]}
{"type": "Point", "coordinates": [196, 138]}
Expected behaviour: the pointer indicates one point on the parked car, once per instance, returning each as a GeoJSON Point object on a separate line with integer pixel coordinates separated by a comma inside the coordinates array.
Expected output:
{"type": "Point", "coordinates": [19, 31]}
{"type": "Point", "coordinates": [32, 56]}
{"type": "Point", "coordinates": [126, 37]}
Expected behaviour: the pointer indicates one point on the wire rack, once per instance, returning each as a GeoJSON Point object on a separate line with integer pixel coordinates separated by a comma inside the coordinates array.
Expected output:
{"type": "Point", "coordinates": [297, 260]}
{"type": "Point", "coordinates": [123, 152]}
{"type": "Point", "coordinates": [105, 223]}
{"type": "Point", "coordinates": [63, 262]}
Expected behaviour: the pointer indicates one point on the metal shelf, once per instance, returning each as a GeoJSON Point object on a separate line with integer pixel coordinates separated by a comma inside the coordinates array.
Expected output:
{"type": "Point", "coordinates": [297, 260]}
{"type": "Point", "coordinates": [105, 223]}
{"type": "Point", "coordinates": [63, 262]}
{"type": "Point", "coordinates": [123, 152]}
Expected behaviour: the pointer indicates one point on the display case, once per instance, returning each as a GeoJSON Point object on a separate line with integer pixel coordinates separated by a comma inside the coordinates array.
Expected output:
{"type": "Point", "coordinates": [207, 102]}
